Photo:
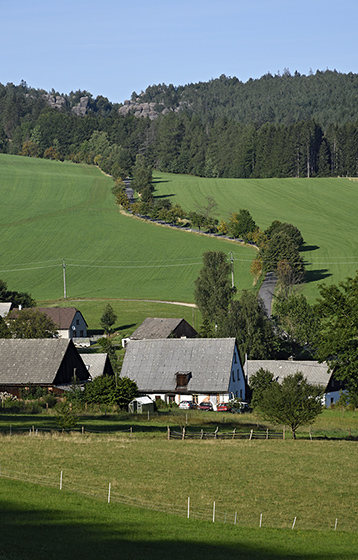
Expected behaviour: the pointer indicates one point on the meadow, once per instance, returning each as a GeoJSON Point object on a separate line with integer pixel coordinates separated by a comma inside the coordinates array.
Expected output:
{"type": "Point", "coordinates": [312, 481]}
{"type": "Point", "coordinates": [53, 211]}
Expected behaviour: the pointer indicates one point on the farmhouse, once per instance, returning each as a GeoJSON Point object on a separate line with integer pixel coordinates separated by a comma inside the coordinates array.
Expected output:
{"type": "Point", "coordinates": [50, 363]}
{"type": "Point", "coordinates": [177, 369]}
{"type": "Point", "coordinates": [315, 373]}
{"type": "Point", "coordinates": [69, 321]}
{"type": "Point", "coordinates": [153, 327]}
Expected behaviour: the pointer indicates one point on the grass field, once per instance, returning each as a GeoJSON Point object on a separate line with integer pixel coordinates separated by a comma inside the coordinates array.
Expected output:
{"type": "Point", "coordinates": [52, 211]}
{"type": "Point", "coordinates": [45, 524]}
{"type": "Point", "coordinates": [323, 209]}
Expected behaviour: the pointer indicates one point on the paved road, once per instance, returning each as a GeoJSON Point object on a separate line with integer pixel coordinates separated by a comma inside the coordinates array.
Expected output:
{"type": "Point", "coordinates": [266, 291]}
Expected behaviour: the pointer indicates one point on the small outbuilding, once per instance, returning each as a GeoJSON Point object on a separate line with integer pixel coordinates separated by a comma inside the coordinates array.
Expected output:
{"type": "Point", "coordinates": [141, 404]}
{"type": "Point", "coordinates": [97, 364]}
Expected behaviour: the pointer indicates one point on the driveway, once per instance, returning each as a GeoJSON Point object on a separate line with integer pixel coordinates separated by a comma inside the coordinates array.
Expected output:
{"type": "Point", "coordinates": [266, 291]}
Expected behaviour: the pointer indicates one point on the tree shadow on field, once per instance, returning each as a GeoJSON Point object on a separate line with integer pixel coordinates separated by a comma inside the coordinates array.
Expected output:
{"type": "Point", "coordinates": [163, 195]}
{"type": "Point", "coordinates": [317, 275]}
{"type": "Point", "coordinates": [305, 248]}
{"type": "Point", "coordinates": [79, 528]}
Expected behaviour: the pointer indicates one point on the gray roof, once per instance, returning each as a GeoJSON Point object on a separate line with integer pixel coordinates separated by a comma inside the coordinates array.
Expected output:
{"type": "Point", "coordinates": [4, 308]}
{"type": "Point", "coordinates": [152, 364]}
{"type": "Point", "coordinates": [35, 360]}
{"type": "Point", "coordinates": [153, 327]}
{"type": "Point", "coordinates": [315, 373]}
{"type": "Point", "coordinates": [94, 363]}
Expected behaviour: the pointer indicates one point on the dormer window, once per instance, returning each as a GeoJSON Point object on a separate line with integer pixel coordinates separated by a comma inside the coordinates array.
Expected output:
{"type": "Point", "coordinates": [183, 378]}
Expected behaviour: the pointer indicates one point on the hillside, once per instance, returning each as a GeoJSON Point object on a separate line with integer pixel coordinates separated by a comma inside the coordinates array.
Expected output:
{"type": "Point", "coordinates": [53, 211]}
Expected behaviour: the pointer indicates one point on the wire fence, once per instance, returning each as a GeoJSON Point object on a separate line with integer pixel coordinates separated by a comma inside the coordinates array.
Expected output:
{"type": "Point", "coordinates": [212, 513]}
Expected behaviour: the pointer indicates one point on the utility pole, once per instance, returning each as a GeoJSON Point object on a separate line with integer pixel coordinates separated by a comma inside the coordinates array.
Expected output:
{"type": "Point", "coordinates": [232, 271]}
{"type": "Point", "coordinates": [64, 278]}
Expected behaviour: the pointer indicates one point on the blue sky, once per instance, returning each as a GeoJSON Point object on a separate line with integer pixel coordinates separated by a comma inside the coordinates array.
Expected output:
{"type": "Point", "coordinates": [113, 48]}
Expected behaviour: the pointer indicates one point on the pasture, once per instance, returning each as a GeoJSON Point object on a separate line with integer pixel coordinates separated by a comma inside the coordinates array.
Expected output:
{"type": "Point", "coordinates": [324, 209]}
{"type": "Point", "coordinates": [52, 211]}
{"type": "Point", "coordinates": [314, 481]}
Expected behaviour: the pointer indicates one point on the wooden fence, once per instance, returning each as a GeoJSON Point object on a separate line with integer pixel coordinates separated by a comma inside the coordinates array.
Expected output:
{"type": "Point", "coordinates": [185, 434]}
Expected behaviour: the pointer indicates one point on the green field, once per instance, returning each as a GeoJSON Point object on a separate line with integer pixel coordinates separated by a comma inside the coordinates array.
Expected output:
{"type": "Point", "coordinates": [52, 211]}
{"type": "Point", "coordinates": [314, 481]}
{"type": "Point", "coordinates": [323, 209]}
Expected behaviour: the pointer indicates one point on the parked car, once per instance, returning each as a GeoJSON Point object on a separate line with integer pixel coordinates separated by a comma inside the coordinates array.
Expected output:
{"type": "Point", "coordinates": [223, 407]}
{"type": "Point", "coordinates": [206, 405]}
{"type": "Point", "coordinates": [185, 405]}
{"type": "Point", "coordinates": [241, 407]}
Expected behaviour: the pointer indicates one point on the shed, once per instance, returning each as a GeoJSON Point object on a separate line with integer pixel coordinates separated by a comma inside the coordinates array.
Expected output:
{"type": "Point", "coordinates": [141, 404]}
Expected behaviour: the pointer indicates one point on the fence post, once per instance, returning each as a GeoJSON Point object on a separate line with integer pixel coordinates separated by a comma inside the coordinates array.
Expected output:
{"type": "Point", "coordinates": [216, 432]}
{"type": "Point", "coordinates": [294, 522]}
{"type": "Point", "coordinates": [260, 524]}
{"type": "Point", "coordinates": [33, 429]}
{"type": "Point", "coordinates": [188, 508]}
{"type": "Point", "coordinates": [235, 518]}
{"type": "Point", "coordinates": [183, 434]}
{"type": "Point", "coordinates": [251, 434]}
{"type": "Point", "coordinates": [61, 481]}
{"type": "Point", "coordinates": [30, 432]}
{"type": "Point", "coordinates": [148, 416]}
{"type": "Point", "coordinates": [202, 434]}
{"type": "Point", "coordinates": [109, 492]}
{"type": "Point", "coordinates": [131, 431]}
{"type": "Point", "coordinates": [267, 434]}
{"type": "Point", "coordinates": [10, 430]}
{"type": "Point", "coordinates": [83, 430]}
{"type": "Point", "coordinates": [168, 432]}
{"type": "Point", "coordinates": [233, 433]}
{"type": "Point", "coordinates": [335, 525]}
{"type": "Point", "coordinates": [283, 433]}
{"type": "Point", "coordinates": [214, 512]}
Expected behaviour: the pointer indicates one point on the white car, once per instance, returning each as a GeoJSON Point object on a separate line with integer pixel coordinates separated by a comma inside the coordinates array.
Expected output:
{"type": "Point", "coordinates": [184, 405]}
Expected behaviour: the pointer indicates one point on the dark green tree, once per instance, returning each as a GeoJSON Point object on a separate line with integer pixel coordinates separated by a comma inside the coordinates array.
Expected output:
{"type": "Point", "coordinates": [247, 321]}
{"type": "Point", "coordinates": [241, 224]}
{"type": "Point", "coordinates": [101, 390]}
{"type": "Point", "coordinates": [108, 319]}
{"type": "Point", "coordinates": [281, 248]}
{"type": "Point", "coordinates": [337, 340]}
{"type": "Point", "coordinates": [293, 403]}
{"type": "Point", "coordinates": [258, 384]}
{"type": "Point", "coordinates": [126, 390]}
{"type": "Point", "coordinates": [30, 323]}
{"type": "Point", "coordinates": [65, 417]}
{"type": "Point", "coordinates": [213, 291]}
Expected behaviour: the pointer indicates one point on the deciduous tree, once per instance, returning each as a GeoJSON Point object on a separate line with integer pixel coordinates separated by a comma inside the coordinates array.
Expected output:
{"type": "Point", "coordinates": [108, 318]}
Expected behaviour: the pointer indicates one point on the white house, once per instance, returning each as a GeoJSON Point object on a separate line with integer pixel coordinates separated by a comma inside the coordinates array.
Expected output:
{"type": "Point", "coordinates": [314, 372]}
{"type": "Point", "coordinates": [185, 369]}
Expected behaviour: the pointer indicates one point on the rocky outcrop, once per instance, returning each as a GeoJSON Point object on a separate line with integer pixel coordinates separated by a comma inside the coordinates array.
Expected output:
{"type": "Point", "coordinates": [59, 102]}
{"type": "Point", "coordinates": [81, 108]}
{"type": "Point", "coordinates": [55, 101]}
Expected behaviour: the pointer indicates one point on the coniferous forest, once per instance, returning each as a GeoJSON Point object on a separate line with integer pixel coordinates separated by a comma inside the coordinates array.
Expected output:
{"type": "Point", "coordinates": [278, 126]}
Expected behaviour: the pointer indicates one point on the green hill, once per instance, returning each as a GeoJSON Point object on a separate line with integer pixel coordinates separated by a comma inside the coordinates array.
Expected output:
{"type": "Point", "coordinates": [323, 209]}
{"type": "Point", "coordinates": [52, 211]}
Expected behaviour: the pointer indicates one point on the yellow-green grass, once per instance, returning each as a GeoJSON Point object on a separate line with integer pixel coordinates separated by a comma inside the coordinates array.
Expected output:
{"type": "Point", "coordinates": [46, 524]}
{"type": "Point", "coordinates": [314, 481]}
{"type": "Point", "coordinates": [324, 209]}
{"type": "Point", "coordinates": [130, 314]}
{"type": "Point", "coordinates": [52, 211]}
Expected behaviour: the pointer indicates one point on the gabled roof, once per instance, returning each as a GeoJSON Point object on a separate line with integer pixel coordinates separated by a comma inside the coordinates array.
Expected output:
{"type": "Point", "coordinates": [315, 373]}
{"type": "Point", "coordinates": [95, 363]}
{"type": "Point", "coordinates": [61, 316]}
{"type": "Point", "coordinates": [153, 328]}
{"type": "Point", "coordinates": [35, 360]}
{"type": "Point", "coordinates": [152, 364]}
{"type": "Point", "coordinates": [4, 308]}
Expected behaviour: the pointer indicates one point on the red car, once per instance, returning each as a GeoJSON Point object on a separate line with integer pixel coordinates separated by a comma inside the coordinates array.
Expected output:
{"type": "Point", "coordinates": [223, 407]}
{"type": "Point", "coordinates": [206, 405]}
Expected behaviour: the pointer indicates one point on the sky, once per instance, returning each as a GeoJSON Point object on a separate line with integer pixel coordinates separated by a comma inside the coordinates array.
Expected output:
{"type": "Point", "coordinates": [115, 47]}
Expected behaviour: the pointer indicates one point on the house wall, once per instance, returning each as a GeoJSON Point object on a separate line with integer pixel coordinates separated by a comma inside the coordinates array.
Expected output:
{"type": "Point", "coordinates": [78, 328]}
{"type": "Point", "coordinates": [335, 395]}
{"type": "Point", "coordinates": [237, 385]}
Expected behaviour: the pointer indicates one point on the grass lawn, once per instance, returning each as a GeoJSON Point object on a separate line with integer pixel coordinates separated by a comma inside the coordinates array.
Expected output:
{"type": "Point", "coordinates": [46, 524]}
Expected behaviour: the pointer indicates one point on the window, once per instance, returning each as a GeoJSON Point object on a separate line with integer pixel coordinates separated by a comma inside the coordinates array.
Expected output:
{"type": "Point", "coordinates": [233, 375]}
{"type": "Point", "coordinates": [77, 321]}
{"type": "Point", "coordinates": [81, 333]}
{"type": "Point", "coordinates": [235, 360]}
{"type": "Point", "coordinates": [240, 393]}
{"type": "Point", "coordinates": [183, 378]}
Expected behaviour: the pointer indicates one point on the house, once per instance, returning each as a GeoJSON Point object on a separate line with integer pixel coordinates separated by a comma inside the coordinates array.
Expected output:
{"type": "Point", "coordinates": [176, 369]}
{"type": "Point", "coordinates": [51, 363]}
{"type": "Point", "coordinates": [314, 372]}
{"type": "Point", "coordinates": [69, 321]}
{"type": "Point", "coordinates": [97, 364]}
{"type": "Point", "coordinates": [153, 327]}
{"type": "Point", "coordinates": [4, 308]}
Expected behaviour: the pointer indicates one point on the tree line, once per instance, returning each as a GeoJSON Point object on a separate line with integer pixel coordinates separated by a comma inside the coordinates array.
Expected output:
{"type": "Point", "coordinates": [178, 142]}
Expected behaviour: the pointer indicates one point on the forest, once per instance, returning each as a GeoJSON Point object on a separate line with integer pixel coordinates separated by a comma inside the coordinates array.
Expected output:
{"type": "Point", "coordinates": [278, 126]}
